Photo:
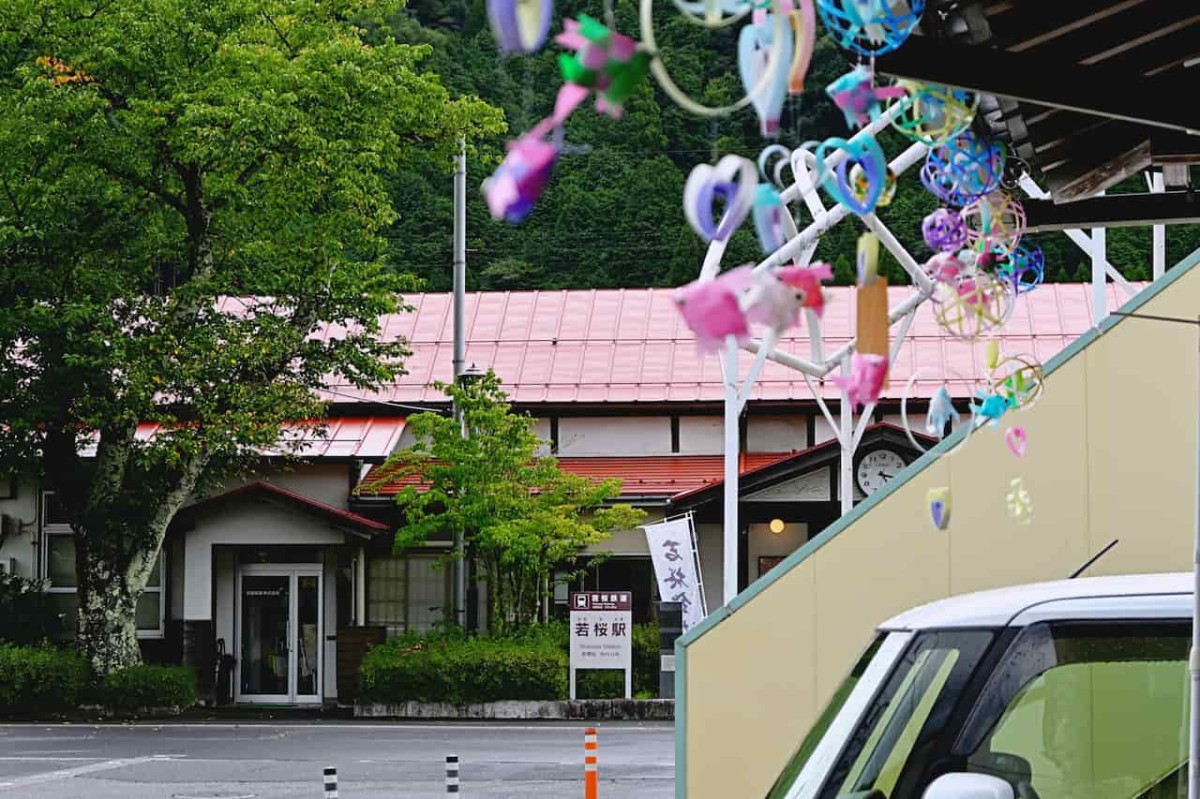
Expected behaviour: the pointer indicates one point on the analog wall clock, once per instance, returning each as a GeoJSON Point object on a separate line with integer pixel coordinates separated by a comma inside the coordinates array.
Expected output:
{"type": "Point", "coordinates": [876, 469]}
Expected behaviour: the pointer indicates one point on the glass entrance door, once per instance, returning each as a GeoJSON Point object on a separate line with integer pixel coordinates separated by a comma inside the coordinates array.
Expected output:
{"type": "Point", "coordinates": [280, 634]}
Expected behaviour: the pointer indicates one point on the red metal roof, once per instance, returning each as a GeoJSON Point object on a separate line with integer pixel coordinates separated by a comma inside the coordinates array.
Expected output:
{"type": "Point", "coordinates": [270, 490]}
{"type": "Point", "coordinates": [630, 345]}
{"type": "Point", "coordinates": [367, 437]}
{"type": "Point", "coordinates": [640, 475]}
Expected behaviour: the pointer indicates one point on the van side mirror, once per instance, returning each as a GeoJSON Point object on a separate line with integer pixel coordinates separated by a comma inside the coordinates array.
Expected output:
{"type": "Point", "coordinates": [968, 786]}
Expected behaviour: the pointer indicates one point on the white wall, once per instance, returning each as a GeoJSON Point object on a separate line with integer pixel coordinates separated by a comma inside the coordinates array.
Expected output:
{"type": "Point", "coordinates": [776, 433]}
{"type": "Point", "coordinates": [615, 435]}
{"type": "Point", "coordinates": [20, 544]}
{"type": "Point", "coordinates": [242, 523]}
{"type": "Point", "coordinates": [701, 435]}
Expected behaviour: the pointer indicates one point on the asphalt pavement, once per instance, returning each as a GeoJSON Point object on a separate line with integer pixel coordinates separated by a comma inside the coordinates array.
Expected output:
{"type": "Point", "coordinates": [285, 761]}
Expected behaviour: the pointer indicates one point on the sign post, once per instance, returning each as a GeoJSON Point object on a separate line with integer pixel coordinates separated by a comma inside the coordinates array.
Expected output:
{"type": "Point", "coordinates": [602, 634]}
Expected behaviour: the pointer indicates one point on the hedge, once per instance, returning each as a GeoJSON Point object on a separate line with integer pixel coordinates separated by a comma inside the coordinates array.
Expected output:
{"type": "Point", "coordinates": [448, 665]}
{"type": "Point", "coordinates": [36, 680]}
{"type": "Point", "coordinates": [462, 670]}
{"type": "Point", "coordinates": [147, 687]}
{"type": "Point", "coordinates": [41, 679]}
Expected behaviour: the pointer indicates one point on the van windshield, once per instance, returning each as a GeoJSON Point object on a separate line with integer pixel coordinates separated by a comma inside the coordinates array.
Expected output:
{"type": "Point", "coordinates": [800, 758]}
{"type": "Point", "coordinates": [1086, 711]}
{"type": "Point", "coordinates": [887, 753]}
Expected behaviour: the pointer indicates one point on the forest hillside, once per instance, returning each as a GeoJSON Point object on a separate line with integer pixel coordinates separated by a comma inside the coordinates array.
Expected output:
{"type": "Point", "coordinates": [612, 215]}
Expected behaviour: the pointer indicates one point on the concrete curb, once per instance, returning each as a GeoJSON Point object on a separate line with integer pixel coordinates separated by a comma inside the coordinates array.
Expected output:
{"type": "Point", "coordinates": [578, 710]}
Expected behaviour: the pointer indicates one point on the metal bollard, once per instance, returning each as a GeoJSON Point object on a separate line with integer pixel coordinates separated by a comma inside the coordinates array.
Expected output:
{"type": "Point", "coordinates": [331, 789]}
{"type": "Point", "coordinates": [452, 774]}
{"type": "Point", "coordinates": [591, 772]}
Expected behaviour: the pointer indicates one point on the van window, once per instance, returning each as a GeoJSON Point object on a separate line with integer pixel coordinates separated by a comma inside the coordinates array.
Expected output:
{"type": "Point", "coordinates": [895, 737]}
{"type": "Point", "coordinates": [1086, 711]}
{"type": "Point", "coordinates": [809, 744]}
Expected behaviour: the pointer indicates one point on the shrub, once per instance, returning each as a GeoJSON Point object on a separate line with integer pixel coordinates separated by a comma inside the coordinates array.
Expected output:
{"type": "Point", "coordinates": [462, 670]}
{"type": "Point", "coordinates": [449, 665]}
{"type": "Point", "coordinates": [143, 687]}
{"type": "Point", "coordinates": [40, 679]}
{"type": "Point", "coordinates": [27, 613]}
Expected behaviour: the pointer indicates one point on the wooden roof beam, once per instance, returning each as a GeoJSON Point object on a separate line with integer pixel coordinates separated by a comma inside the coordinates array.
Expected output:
{"type": "Point", "coordinates": [1033, 24]}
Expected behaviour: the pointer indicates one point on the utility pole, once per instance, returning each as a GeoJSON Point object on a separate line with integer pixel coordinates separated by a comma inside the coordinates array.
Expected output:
{"type": "Point", "coordinates": [460, 355]}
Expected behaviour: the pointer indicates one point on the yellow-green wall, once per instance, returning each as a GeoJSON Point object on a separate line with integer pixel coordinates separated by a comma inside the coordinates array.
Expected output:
{"type": "Point", "coordinates": [1111, 455]}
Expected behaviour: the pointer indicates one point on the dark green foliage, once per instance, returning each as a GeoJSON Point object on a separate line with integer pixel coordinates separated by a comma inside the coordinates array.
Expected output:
{"type": "Point", "coordinates": [40, 679]}
{"type": "Point", "coordinates": [27, 615]}
{"type": "Point", "coordinates": [146, 687]}
{"type": "Point", "coordinates": [448, 665]}
{"type": "Point", "coordinates": [462, 670]}
{"type": "Point", "coordinates": [612, 214]}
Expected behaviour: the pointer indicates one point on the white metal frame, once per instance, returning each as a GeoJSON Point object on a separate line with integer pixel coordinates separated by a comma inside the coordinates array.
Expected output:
{"type": "Point", "coordinates": [293, 571]}
{"type": "Point", "coordinates": [799, 249]}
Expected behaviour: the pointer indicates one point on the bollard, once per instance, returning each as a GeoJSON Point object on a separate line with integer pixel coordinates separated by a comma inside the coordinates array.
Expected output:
{"type": "Point", "coordinates": [331, 789]}
{"type": "Point", "coordinates": [452, 774]}
{"type": "Point", "coordinates": [591, 773]}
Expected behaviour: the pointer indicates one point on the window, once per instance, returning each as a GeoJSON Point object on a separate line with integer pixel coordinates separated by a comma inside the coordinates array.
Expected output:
{"type": "Point", "coordinates": [59, 564]}
{"type": "Point", "coordinates": [1086, 711]}
{"type": "Point", "coordinates": [406, 593]}
{"type": "Point", "coordinates": [809, 744]}
{"type": "Point", "coordinates": [888, 747]}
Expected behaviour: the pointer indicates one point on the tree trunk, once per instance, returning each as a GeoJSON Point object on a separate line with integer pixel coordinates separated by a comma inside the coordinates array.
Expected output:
{"type": "Point", "coordinates": [107, 631]}
{"type": "Point", "coordinates": [116, 552]}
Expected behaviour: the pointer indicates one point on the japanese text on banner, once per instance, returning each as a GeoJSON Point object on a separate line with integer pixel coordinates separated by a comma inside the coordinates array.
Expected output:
{"type": "Point", "coordinates": [675, 567]}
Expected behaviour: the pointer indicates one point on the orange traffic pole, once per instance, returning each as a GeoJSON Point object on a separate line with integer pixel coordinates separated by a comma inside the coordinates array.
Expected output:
{"type": "Point", "coordinates": [591, 773]}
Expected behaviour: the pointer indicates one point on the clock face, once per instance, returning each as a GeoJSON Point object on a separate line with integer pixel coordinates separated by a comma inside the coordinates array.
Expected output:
{"type": "Point", "coordinates": [877, 469]}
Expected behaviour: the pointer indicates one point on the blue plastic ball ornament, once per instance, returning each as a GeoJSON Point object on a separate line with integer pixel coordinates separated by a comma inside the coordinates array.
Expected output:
{"type": "Point", "coordinates": [963, 169]}
{"type": "Point", "coordinates": [870, 27]}
{"type": "Point", "coordinates": [1025, 267]}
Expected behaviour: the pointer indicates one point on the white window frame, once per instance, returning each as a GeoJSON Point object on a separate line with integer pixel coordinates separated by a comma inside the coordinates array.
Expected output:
{"type": "Point", "coordinates": [431, 552]}
{"type": "Point", "coordinates": [57, 529]}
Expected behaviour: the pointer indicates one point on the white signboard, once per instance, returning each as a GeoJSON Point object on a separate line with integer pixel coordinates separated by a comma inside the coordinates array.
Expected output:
{"type": "Point", "coordinates": [602, 634]}
{"type": "Point", "coordinates": [674, 560]}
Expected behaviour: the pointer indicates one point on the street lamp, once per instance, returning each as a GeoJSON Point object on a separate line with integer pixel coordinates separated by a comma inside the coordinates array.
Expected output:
{"type": "Point", "coordinates": [465, 379]}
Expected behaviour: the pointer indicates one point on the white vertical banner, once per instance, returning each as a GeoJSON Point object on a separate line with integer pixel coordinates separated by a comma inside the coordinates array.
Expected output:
{"type": "Point", "coordinates": [674, 558]}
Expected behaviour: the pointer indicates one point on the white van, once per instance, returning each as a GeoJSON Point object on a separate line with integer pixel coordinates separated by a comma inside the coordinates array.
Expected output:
{"type": "Point", "coordinates": [1067, 690]}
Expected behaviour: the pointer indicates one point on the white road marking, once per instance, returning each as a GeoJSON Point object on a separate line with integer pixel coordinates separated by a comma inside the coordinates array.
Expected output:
{"type": "Point", "coordinates": [77, 771]}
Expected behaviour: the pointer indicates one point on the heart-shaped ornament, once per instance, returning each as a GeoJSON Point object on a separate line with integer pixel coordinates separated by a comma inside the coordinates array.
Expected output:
{"type": "Point", "coordinates": [1016, 439]}
{"type": "Point", "coordinates": [733, 180]}
{"type": "Point", "coordinates": [768, 218]}
{"type": "Point", "coordinates": [939, 507]}
{"type": "Point", "coordinates": [863, 152]}
{"type": "Point", "coordinates": [764, 69]}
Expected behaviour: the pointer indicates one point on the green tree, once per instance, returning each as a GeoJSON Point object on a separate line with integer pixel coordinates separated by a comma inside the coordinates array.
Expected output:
{"type": "Point", "coordinates": [522, 516]}
{"type": "Point", "coordinates": [163, 157]}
